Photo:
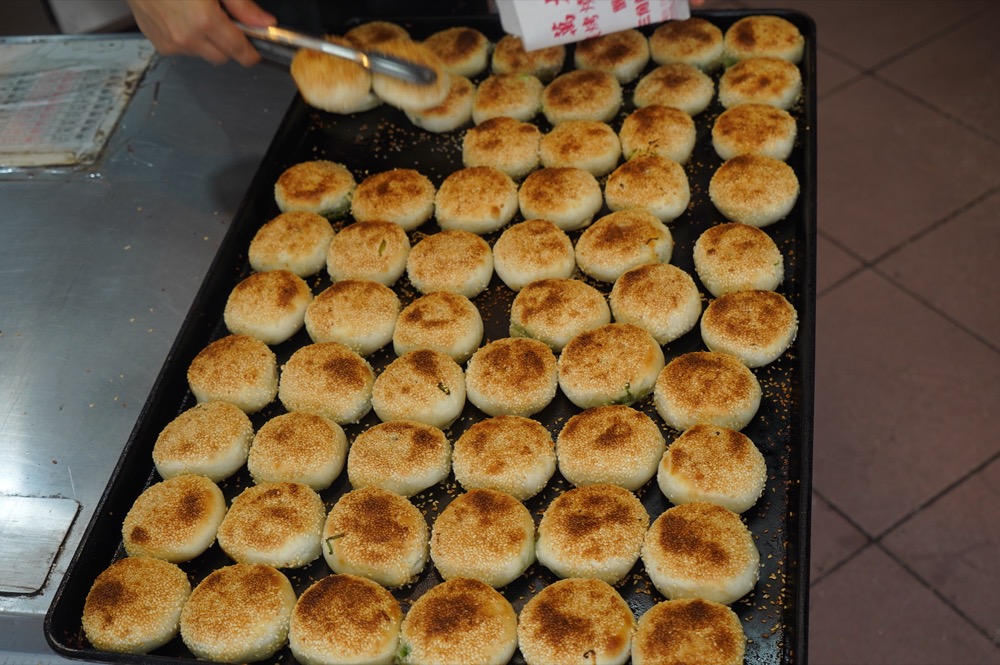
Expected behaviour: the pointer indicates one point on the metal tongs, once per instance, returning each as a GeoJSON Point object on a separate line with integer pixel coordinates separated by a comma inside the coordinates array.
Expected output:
{"type": "Point", "coordinates": [373, 61]}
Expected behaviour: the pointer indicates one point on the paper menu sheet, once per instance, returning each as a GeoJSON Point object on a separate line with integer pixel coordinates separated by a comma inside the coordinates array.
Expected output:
{"type": "Point", "coordinates": [544, 23]}
{"type": "Point", "coordinates": [61, 97]}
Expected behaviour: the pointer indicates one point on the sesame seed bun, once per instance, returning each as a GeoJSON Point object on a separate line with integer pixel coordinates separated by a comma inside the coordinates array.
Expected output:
{"type": "Point", "coordinates": [402, 196]}
{"type": "Point", "coordinates": [622, 240]}
{"type": "Point", "coordinates": [406, 95]}
{"type": "Point", "coordinates": [517, 96]}
{"type": "Point", "coordinates": [295, 241]}
{"type": "Point", "coordinates": [484, 535]}
{"type": "Point", "coordinates": [376, 534]}
{"type": "Point", "coordinates": [513, 376]}
{"type": "Point", "coordinates": [375, 250]}
{"type": "Point", "coordinates": [649, 182]}
{"type": "Point", "coordinates": [509, 57]}
{"type": "Point", "coordinates": [737, 257]}
{"type": "Point", "coordinates": [460, 620]}
{"type": "Point", "coordinates": [479, 199]}
{"type": "Point", "coordinates": [211, 439]}
{"type": "Point", "coordinates": [754, 190]}
{"type": "Point", "coordinates": [532, 250]}
{"type": "Point", "coordinates": [503, 143]}
{"type": "Point", "coordinates": [615, 364]}
{"type": "Point", "coordinates": [658, 297]}
{"type": "Point", "coordinates": [423, 385]}
{"type": "Point", "coordinates": [567, 196]}
{"type": "Point", "coordinates": [452, 113]}
{"type": "Point", "coordinates": [661, 130]}
{"type": "Point", "coordinates": [298, 447]}
{"type": "Point", "coordinates": [238, 614]}
{"type": "Point", "coordinates": [714, 465]}
{"type": "Point", "coordinates": [483, 457]}
{"type": "Point", "coordinates": [701, 550]}
{"type": "Point", "coordinates": [462, 50]}
{"type": "Point", "coordinates": [763, 35]}
{"type": "Point", "coordinates": [237, 368]}
{"type": "Point", "coordinates": [695, 41]}
{"type": "Point", "coordinates": [318, 186]}
{"type": "Point", "coordinates": [703, 387]}
{"type": "Point", "coordinates": [358, 313]}
{"type": "Point", "coordinates": [582, 94]}
{"type": "Point", "coordinates": [175, 519]}
{"type": "Point", "coordinates": [402, 456]}
{"type": "Point", "coordinates": [556, 310]}
{"type": "Point", "coordinates": [333, 84]}
{"type": "Point", "coordinates": [574, 619]}
{"type": "Point", "coordinates": [755, 326]}
{"type": "Point", "coordinates": [134, 605]}
{"type": "Point", "coordinates": [590, 145]}
{"type": "Point", "coordinates": [759, 129]}
{"type": "Point", "coordinates": [592, 531]}
{"type": "Point", "coordinates": [622, 54]}
{"type": "Point", "coordinates": [453, 260]}
{"type": "Point", "coordinates": [441, 321]}
{"type": "Point", "coordinates": [329, 379]}
{"type": "Point", "coordinates": [678, 84]}
{"type": "Point", "coordinates": [761, 80]}
{"type": "Point", "coordinates": [688, 630]}
{"type": "Point", "coordinates": [277, 524]}
{"type": "Point", "coordinates": [612, 444]}
{"type": "Point", "coordinates": [270, 306]}
{"type": "Point", "coordinates": [373, 33]}
{"type": "Point", "coordinates": [345, 619]}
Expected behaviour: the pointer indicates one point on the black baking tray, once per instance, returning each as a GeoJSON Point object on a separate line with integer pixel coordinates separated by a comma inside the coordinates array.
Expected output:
{"type": "Point", "coordinates": [774, 614]}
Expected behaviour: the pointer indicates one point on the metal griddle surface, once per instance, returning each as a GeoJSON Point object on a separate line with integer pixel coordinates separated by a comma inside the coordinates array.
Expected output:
{"type": "Point", "coordinates": [773, 614]}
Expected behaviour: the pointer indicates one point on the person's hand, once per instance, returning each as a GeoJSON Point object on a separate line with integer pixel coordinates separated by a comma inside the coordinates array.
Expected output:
{"type": "Point", "coordinates": [200, 27]}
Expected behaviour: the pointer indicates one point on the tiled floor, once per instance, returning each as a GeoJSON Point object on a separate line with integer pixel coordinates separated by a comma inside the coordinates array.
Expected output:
{"type": "Point", "coordinates": [906, 519]}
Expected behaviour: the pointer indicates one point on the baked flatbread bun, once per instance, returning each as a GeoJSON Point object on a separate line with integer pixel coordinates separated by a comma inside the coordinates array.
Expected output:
{"type": "Point", "coordinates": [277, 524]}
{"type": "Point", "coordinates": [372, 33]}
{"type": "Point", "coordinates": [531, 250]}
{"type": "Point", "coordinates": [455, 260]}
{"type": "Point", "coordinates": [359, 313]}
{"type": "Point", "coordinates": [658, 297]}
{"type": "Point", "coordinates": [582, 94]}
{"type": "Point", "coordinates": [459, 621]}
{"type": "Point", "coordinates": [211, 439]}
{"type": "Point", "coordinates": [376, 534]}
{"type": "Point", "coordinates": [592, 531]}
{"type": "Point", "coordinates": [483, 535]}
{"type": "Point", "coordinates": [441, 321]}
{"type": "Point", "coordinates": [677, 84]}
{"type": "Point", "coordinates": [763, 35]}
{"type": "Point", "coordinates": [689, 630]}
{"type": "Point", "coordinates": [613, 444]}
{"type": "Point", "coordinates": [295, 241]}
{"type": "Point", "coordinates": [403, 196]}
{"type": "Point", "coordinates": [556, 310]}
{"type": "Point", "coordinates": [615, 364]}
{"type": "Point", "coordinates": [330, 83]}
{"type": "Point", "coordinates": [571, 618]}
{"type": "Point", "coordinates": [509, 57]}
{"type": "Point", "coordinates": [622, 54]}
{"type": "Point", "coordinates": [591, 145]}
{"type": "Point", "coordinates": [761, 80]}
{"type": "Point", "coordinates": [657, 129]}
{"type": "Point", "coordinates": [462, 50]}
{"type": "Point", "coordinates": [507, 144]}
{"type": "Point", "coordinates": [238, 614]}
{"type": "Point", "coordinates": [299, 447]}
{"type": "Point", "coordinates": [175, 519]}
{"type": "Point", "coordinates": [345, 619]}
{"type": "Point", "coordinates": [483, 457]}
{"type": "Point", "coordinates": [715, 465]}
{"type": "Point", "coordinates": [452, 113]}
{"type": "Point", "coordinates": [622, 240]}
{"type": "Point", "coordinates": [703, 387]}
{"type": "Point", "coordinates": [695, 41]}
{"type": "Point", "coordinates": [754, 128]}
{"type": "Point", "coordinates": [701, 550]}
{"type": "Point", "coordinates": [320, 186]}
{"type": "Point", "coordinates": [755, 326]}
{"type": "Point", "coordinates": [375, 250]}
{"type": "Point", "coordinates": [329, 379]}
{"type": "Point", "coordinates": [270, 306]}
{"type": "Point", "coordinates": [402, 456]}
{"type": "Point", "coordinates": [754, 190]}
{"type": "Point", "coordinates": [237, 368]}
{"type": "Point", "coordinates": [134, 605]}
{"type": "Point", "coordinates": [479, 199]}
{"type": "Point", "coordinates": [423, 385]}
{"type": "Point", "coordinates": [649, 182]}
{"type": "Point", "coordinates": [513, 376]}
{"type": "Point", "coordinates": [566, 196]}
{"type": "Point", "coordinates": [517, 96]}
{"type": "Point", "coordinates": [737, 257]}
{"type": "Point", "coordinates": [406, 95]}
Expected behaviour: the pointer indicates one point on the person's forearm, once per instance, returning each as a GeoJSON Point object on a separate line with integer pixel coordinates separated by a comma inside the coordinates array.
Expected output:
{"type": "Point", "coordinates": [200, 27]}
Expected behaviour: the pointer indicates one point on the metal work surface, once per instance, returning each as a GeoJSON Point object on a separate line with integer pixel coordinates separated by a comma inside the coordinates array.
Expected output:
{"type": "Point", "coordinates": [98, 268]}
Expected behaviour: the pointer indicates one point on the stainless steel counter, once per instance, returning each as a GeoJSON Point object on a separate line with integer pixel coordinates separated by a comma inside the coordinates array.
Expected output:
{"type": "Point", "coordinates": [98, 267]}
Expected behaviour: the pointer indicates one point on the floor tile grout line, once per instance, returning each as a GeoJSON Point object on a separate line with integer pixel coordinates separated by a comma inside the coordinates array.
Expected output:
{"type": "Point", "coordinates": [869, 540]}
{"type": "Point", "coordinates": [995, 639]}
